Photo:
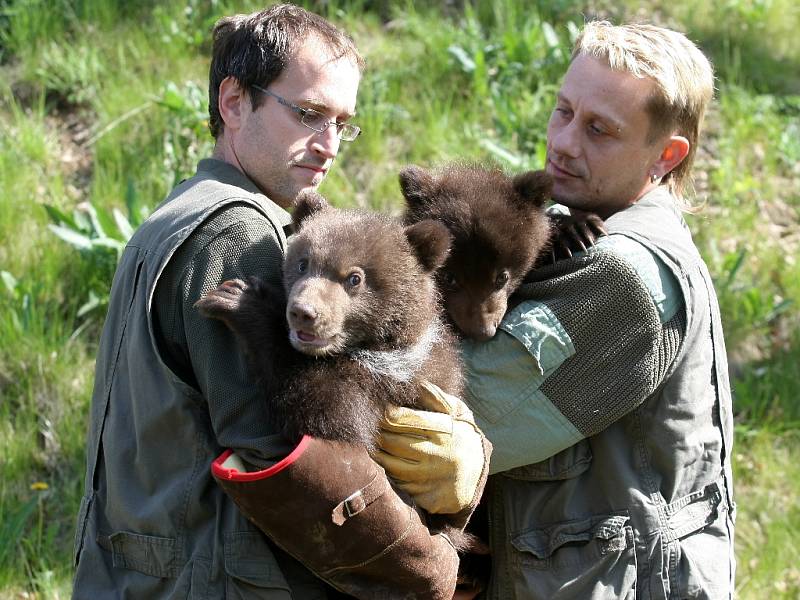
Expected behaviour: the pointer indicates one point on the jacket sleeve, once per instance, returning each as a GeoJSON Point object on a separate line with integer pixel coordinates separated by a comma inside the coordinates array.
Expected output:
{"type": "Point", "coordinates": [591, 339]}
{"type": "Point", "coordinates": [235, 242]}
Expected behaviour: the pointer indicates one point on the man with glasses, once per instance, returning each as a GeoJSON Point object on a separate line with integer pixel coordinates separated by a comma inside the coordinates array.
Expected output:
{"type": "Point", "coordinates": [172, 389]}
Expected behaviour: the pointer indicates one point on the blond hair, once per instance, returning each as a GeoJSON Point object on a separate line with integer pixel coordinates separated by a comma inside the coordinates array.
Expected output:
{"type": "Point", "coordinates": [683, 75]}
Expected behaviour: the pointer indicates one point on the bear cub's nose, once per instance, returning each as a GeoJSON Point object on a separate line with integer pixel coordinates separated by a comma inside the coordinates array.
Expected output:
{"type": "Point", "coordinates": [303, 313]}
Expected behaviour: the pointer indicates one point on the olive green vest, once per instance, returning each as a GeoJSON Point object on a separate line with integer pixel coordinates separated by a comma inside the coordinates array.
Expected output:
{"type": "Point", "coordinates": [153, 523]}
{"type": "Point", "coordinates": [643, 509]}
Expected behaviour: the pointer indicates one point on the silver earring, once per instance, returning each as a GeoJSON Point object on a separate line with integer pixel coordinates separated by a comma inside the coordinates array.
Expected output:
{"type": "Point", "coordinates": [654, 177]}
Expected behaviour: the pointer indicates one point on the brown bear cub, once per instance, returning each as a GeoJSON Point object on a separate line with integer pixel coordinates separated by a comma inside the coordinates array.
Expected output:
{"type": "Point", "coordinates": [499, 228]}
{"type": "Point", "coordinates": [355, 326]}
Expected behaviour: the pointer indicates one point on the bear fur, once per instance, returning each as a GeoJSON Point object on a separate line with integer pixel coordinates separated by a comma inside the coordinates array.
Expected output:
{"type": "Point", "coordinates": [499, 228]}
{"type": "Point", "coordinates": [355, 326]}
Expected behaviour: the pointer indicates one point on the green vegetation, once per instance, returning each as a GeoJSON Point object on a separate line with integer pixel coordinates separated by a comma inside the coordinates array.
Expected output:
{"type": "Point", "coordinates": [102, 110]}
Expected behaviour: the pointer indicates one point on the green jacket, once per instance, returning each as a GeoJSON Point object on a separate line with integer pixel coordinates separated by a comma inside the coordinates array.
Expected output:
{"type": "Point", "coordinates": [171, 392]}
{"type": "Point", "coordinates": [606, 397]}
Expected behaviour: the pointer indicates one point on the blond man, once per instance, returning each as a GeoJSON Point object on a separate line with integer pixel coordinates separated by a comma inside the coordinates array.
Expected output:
{"type": "Point", "coordinates": [605, 392]}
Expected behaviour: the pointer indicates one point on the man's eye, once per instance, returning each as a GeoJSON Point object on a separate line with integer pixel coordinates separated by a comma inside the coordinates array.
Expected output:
{"type": "Point", "coordinates": [314, 119]}
{"type": "Point", "coordinates": [596, 130]}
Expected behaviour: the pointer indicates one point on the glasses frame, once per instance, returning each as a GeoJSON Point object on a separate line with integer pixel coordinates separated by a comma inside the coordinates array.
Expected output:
{"type": "Point", "coordinates": [347, 132]}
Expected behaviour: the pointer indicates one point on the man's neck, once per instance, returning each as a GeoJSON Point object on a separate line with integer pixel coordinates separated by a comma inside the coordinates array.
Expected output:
{"type": "Point", "coordinates": [224, 152]}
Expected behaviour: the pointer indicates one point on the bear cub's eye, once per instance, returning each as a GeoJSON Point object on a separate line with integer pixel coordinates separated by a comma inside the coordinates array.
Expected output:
{"type": "Point", "coordinates": [302, 265]}
{"type": "Point", "coordinates": [501, 279]}
{"type": "Point", "coordinates": [450, 280]}
{"type": "Point", "coordinates": [354, 279]}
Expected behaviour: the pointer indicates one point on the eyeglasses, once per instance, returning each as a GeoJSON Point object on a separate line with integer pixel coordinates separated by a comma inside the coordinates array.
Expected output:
{"type": "Point", "coordinates": [316, 120]}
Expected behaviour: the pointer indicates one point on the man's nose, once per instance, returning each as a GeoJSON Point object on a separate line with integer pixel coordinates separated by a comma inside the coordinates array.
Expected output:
{"type": "Point", "coordinates": [565, 140]}
{"type": "Point", "coordinates": [326, 144]}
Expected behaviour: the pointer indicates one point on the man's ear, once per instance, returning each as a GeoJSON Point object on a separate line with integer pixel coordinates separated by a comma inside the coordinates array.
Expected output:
{"type": "Point", "coordinates": [675, 150]}
{"type": "Point", "coordinates": [231, 97]}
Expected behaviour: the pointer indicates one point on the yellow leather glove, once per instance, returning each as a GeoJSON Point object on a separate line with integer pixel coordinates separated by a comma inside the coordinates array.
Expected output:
{"type": "Point", "coordinates": [440, 458]}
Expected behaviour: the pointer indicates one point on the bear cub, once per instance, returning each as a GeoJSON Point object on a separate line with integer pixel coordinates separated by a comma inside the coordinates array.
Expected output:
{"type": "Point", "coordinates": [499, 228]}
{"type": "Point", "coordinates": [355, 326]}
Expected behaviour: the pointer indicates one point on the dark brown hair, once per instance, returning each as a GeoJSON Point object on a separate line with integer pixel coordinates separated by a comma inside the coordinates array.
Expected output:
{"type": "Point", "coordinates": [255, 48]}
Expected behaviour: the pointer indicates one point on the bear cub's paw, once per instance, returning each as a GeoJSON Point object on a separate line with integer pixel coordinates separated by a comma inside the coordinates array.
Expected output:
{"type": "Point", "coordinates": [219, 303]}
{"type": "Point", "coordinates": [574, 232]}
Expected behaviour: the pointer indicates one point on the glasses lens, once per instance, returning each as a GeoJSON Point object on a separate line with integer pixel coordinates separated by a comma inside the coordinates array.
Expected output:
{"type": "Point", "coordinates": [348, 132]}
{"type": "Point", "coordinates": [315, 120]}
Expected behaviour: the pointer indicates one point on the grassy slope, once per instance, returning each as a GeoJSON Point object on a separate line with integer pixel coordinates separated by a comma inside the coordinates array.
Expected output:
{"type": "Point", "coordinates": [87, 114]}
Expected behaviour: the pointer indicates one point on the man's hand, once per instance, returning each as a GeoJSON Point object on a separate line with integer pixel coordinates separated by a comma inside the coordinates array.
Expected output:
{"type": "Point", "coordinates": [441, 458]}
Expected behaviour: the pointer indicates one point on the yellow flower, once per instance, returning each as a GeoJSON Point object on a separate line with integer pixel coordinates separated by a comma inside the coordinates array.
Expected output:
{"type": "Point", "coordinates": [39, 486]}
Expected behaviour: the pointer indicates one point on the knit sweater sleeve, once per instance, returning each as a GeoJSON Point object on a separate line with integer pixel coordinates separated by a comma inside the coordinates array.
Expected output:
{"type": "Point", "coordinates": [235, 242]}
{"type": "Point", "coordinates": [591, 339]}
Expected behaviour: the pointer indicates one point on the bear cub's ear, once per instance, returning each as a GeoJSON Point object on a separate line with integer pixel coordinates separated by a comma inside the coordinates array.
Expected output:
{"type": "Point", "coordinates": [430, 241]}
{"type": "Point", "coordinates": [416, 184]}
{"type": "Point", "coordinates": [307, 203]}
{"type": "Point", "coordinates": [533, 186]}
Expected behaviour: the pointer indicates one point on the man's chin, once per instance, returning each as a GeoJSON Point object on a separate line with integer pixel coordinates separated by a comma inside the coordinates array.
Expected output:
{"type": "Point", "coordinates": [301, 189]}
{"type": "Point", "coordinates": [296, 193]}
{"type": "Point", "coordinates": [304, 190]}
{"type": "Point", "coordinates": [568, 196]}
{"type": "Point", "coordinates": [314, 184]}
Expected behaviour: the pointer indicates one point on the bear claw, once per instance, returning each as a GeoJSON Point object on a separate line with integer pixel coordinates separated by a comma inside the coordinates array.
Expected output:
{"type": "Point", "coordinates": [226, 298]}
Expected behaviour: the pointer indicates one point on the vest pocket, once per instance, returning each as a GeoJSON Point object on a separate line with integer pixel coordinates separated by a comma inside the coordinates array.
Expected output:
{"type": "Point", "coordinates": [692, 574]}
{"type": "Point", "coordinates": [251, 569]}
{"type": "Point", "coordinates": [697, 528]}
{"type": "Point", "coordinates": [151, 555]}
{"type": "Point", "coordinates": [589, 558]}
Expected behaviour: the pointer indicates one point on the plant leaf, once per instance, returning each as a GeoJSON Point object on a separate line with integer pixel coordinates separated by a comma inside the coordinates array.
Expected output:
{"type": "Point", "coordinates": [59, 217]}
{"type": "Point", "coordinates": [550, 36]}
{"type": "Point", "coordinates": [464, 59]}
{"type": "Point", "coordinates": [107, 242]}
{"type": "Point", "coordinates": [97, 226]}
{"type": "Point", "coordinates": [503, 154]}
{"type": "Point", "coordinates": [12, 528]}
{"type": "Point", "coordinates": [93, 302]}
{"type": "Point", "coordinates": [71, 237]}
{"type": "Point", "coordinates": [9, 280]}
{"type": "Point", "coordinates": [124, 227]}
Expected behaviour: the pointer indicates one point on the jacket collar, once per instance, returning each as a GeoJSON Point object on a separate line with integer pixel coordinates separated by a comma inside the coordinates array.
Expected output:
{"type": "Point", "coordinates": [226, 173]}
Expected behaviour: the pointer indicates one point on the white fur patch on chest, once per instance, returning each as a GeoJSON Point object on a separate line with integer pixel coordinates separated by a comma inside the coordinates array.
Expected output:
{"type": "Point", "coordinates": [402, 364]}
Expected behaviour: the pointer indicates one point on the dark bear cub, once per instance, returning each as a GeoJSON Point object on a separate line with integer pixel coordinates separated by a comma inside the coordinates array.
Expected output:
{"type": "Point", "coordinates": [499, 228]}
{"type": "Point", "coordinates": [354, 327]}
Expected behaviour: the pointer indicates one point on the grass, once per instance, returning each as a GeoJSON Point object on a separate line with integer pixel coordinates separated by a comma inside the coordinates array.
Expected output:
{"type": "Point", "coordinates": [102, 107]}
{"type": "Point", "coordinates": [766, 472]}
